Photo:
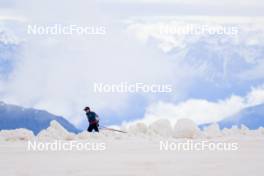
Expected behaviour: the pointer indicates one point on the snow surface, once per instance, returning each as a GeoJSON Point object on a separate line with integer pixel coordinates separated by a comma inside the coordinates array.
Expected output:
{"type": "Point", "coordinates": [134, 153]}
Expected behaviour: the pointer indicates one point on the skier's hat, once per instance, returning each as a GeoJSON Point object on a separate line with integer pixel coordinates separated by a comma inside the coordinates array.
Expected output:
{"type": "Point", "coordinates": [86, 108]}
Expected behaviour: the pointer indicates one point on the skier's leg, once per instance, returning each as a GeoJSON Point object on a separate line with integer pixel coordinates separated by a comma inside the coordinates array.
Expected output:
{"type": "Point", "coordinates": [96, 128]}
{"type": "Point", "coordinates": [90, 128]}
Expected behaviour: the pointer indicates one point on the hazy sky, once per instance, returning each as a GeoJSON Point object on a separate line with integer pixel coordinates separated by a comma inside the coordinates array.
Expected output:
{"type": "Point", "coordinates": [218, 72]}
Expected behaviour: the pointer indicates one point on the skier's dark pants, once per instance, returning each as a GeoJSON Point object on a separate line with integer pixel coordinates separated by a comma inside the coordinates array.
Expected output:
{"type": "Point", "coordinates": [93, 126]}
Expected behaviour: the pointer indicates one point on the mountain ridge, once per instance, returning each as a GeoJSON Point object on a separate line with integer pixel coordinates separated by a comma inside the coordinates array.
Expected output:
{"type": "Point", "coordinates": [13, 117]}
{"type": "Point", "coordinates": [252, 117]}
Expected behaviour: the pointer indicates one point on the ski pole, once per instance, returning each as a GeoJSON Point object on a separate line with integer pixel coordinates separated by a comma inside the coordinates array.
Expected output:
{"type": "Point", "coordinates": [111, 129]}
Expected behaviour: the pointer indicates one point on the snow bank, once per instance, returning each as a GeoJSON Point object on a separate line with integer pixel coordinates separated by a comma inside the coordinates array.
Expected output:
{"type": "Point", "coordinates": [244, 130]}
{"type": "Point", "coordinates": [161, 128]}
{"type": "Point", "coordinates": [261, 131]}
{"type": "Point", "coordinates": [234, 131]}
{"type": "Point", "coordinates": [136, 128]}
{"type": "Point", "coordinates": [185, 128]}
{"type": "Point", "coordinates": [104, 134]}
{"type": "Point", "coordinates": [247, 132]}
{"type": "Point", "coordinates": [86, 135]}
{"type": "Point", "coordinates": [212, 131]}
{"type": "Point", "coordinates": [55, 131]}
{"type": "Point", "coordinates": [17, 134]}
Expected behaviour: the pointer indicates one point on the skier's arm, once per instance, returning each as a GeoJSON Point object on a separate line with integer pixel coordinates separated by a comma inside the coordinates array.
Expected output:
{"type": "Point", "coordinates": [97, 120]}
{"type": "Point", "coordinates": [96, 117]}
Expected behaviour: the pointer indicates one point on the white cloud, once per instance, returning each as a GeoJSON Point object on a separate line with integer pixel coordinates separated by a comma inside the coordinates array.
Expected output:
{"type": "Point", "coordinates": [62, 82]}
{"type": "Point", "coordinates": [255, 73]}
{"type": "Point", "coordinates": [8, 38]}
{"type": "Point", "coordinates": [249, 30]}
{"type": "Point", "coordinates": [57, 73]}
{"type": "Point", "coordinates": [203, 111]}
{"type": "Point", "coordinates": [256, 96]}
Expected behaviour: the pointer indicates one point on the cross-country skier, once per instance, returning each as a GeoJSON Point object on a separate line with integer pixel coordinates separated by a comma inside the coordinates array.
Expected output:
{"type": "Point", "coordinates": [93, 120]}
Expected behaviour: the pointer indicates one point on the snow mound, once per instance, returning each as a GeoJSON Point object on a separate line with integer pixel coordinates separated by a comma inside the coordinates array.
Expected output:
{"type": "Point", "coordinates": [161, 127]}
{"type": "Point", "coordinates": [261, 131]}
{"type": "Point", "coordinates": [227, 132]}
{"type": "Point", "coordinates": [55, 131]}
{"type": "Point", "coordinates": [244, 130]}
{"type": "Point", "coordinates": [213, 131]}
{"type": "Point", "coordinates": [17, 134]}
{"type": "Point", "coordinates": [185, 128]}
{"type": "Point", "coordinates": [234, 131]}
{"type": "Point", "coordinates": [137, 128]}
